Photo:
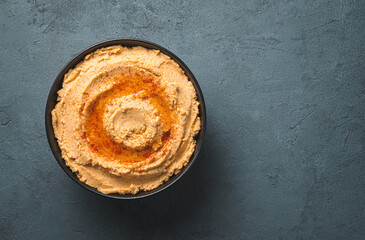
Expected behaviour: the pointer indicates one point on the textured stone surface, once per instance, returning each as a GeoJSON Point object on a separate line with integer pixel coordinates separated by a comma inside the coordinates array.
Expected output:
{"type": "Point", "coordinates": [284, 155]}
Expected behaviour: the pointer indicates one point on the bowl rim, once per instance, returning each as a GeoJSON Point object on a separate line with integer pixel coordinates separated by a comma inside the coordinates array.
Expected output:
{"type": "Point", "coordinates": [57, 85]}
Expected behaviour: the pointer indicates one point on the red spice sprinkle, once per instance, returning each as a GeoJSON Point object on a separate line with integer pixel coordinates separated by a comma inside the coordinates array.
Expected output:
{"type": "Point", "coordinates": [102, 143]}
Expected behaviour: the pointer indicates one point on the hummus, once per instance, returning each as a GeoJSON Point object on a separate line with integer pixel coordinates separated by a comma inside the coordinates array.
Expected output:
{"type": "Point", "coordinates": [126, 119]}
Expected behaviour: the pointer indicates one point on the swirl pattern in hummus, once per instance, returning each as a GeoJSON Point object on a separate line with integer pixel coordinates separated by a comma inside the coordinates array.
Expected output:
{"type": "Point", "coordinates": [126, 119]}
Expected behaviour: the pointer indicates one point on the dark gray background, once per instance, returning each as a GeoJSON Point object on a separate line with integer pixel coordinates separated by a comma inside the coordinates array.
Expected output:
{"type": "Point", "coordinates": [284, 84]}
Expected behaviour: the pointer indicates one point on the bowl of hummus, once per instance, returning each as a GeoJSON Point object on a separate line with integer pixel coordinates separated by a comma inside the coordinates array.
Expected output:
{"type": "Point", "coordinates": [125, 118]}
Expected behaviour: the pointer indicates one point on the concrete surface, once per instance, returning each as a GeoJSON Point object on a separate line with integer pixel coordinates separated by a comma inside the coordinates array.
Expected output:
{"type": "Point", "coordinates": [284, 156]}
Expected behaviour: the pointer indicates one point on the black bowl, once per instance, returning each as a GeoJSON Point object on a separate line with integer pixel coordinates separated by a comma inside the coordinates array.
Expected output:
{"type": "Point", "coordinates": [52, 101]}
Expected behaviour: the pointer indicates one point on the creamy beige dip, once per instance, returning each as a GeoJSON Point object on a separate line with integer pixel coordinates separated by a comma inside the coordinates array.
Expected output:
{"type": "Point", "coordinates": [126, 119]}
